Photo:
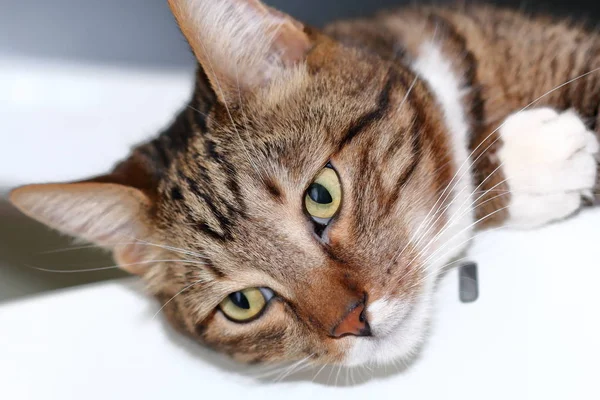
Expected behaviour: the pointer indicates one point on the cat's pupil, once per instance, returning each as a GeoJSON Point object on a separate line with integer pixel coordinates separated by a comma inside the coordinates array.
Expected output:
{"type": "Point", "coordinates": [240, 300]}
{"type": "Point", "coordinates": [319, 194]}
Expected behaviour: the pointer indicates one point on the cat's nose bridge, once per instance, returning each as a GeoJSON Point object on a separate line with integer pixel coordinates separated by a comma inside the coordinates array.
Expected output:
{"type": "Point", "coordinates": [335, 305]}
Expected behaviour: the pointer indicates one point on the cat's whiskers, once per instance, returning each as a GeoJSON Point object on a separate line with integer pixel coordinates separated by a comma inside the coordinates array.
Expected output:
{"type": "Point", "coordinates": [453, 218]}
{"type": "Point", "coordinates": [449, 251]}
{"type": "Point", "coordinates": [271, 370]}
{"type": "Point", "coordinates": [221, 126]}
{"type": "Point", "coordinates": [65, 271]}
{"type": "Point", "coordinates": [177, 294]}
{"type": "Point", "coordinates": [249, 158]}
{"type": "Point", "coordinates": [330, 373]}
{"type": "Point", "coordinates": [172, 248]}
{"type": "Point", "coordinates": [371, 370]}
{"type": "Point", "coordinates": [318, 372]}
{"type": "Point", "coordinates": [437, 207]}
{"type": "Point", "coordinates": [245, 116]}
{"type": "Point", "coordinates": [430, 274]}
{"type": "Point", "coordinates": [456, 216]}
{"type": "Point", "coordinates": [487, 148]}
{"type": "Point", "coordinates": [205, 115]}
{"type": "Point", "coordinates": [424, 264]}
{"type": "Point", "coordinates": [75, 248]}
{"type": "Point", "coordinates": [442, 246]}
{"type": "Point", "coordinates": [475, 203]}
{"type": "Point", "coordinates": [337, 376]}
{"type": "Point", "coordinates": [410, 88]}
{"type": "Point", "coordinates": [428, 261]}
{"type": "Point", "coordinates": [268, 370]}
{"type": "Point", "coordinates": [474, 206]}
{"type": "Point", "coordinates": [417, 231]}
{"type": "Point", "coordinates": [284, 369]}
{"type": "Point", "coordinates": [295, 367]}
{"type": "Point", "coordinates": [138, 242]}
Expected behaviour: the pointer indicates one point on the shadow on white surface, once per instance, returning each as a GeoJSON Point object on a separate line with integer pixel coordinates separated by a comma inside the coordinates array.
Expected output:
{"type": "Point", "coordinates": [532, 334]}
{"type": "Point", "coordinates": [27, 246]}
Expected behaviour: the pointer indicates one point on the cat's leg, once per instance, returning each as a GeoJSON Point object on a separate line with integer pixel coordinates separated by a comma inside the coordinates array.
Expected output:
{"type": "Point", "coordinates": [548, 159]}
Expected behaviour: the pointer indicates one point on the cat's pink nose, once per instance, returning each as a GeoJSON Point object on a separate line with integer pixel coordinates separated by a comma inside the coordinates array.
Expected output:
{"type": "Point", "coordinates": [354, 323]}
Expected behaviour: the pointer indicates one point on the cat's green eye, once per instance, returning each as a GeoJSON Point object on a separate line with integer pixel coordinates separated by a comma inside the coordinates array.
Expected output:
{"type": "Point", "coordinates": [246, 304]}
{"type": "Point", "coordinates": [323, 196]}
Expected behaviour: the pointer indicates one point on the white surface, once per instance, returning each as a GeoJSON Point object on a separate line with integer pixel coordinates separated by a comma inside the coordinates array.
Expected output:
{"type": "Point", "coordinates": [532, 334]}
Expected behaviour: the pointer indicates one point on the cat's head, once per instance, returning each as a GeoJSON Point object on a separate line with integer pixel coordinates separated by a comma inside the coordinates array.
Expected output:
{"type": "Point", "coordinates": [293, 210]}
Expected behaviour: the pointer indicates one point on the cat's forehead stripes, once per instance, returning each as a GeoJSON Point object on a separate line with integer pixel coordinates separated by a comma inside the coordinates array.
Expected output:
{"type": "Point", "coordinates": [381, 108]}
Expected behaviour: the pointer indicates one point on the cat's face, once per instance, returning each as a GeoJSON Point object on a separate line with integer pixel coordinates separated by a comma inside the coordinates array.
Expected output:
{"type": "Point", "coordinates": [299, 192]}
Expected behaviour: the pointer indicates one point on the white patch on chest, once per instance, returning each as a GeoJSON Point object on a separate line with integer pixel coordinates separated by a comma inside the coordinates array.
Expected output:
{"type": "Point", "coordinates": [436, 70]}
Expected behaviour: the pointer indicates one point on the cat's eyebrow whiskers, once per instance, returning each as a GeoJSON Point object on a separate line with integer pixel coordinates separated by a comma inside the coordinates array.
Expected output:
{"type": "Point", "coordinates": [204, 115]}
{"type": "Point", "coordinates": [245, 116]}
{"type": "Point", "coordinates": [252, 163]}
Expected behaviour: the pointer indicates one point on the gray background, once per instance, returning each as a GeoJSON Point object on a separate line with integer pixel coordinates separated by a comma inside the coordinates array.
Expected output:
{"type": "Point", "coordinates": [137, 33]}
{"type": "Point", "coordinates": [142, 32]}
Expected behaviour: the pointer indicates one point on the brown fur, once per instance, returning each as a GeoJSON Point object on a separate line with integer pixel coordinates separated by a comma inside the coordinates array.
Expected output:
{"type": "Point", "coordinates": [227, 179]}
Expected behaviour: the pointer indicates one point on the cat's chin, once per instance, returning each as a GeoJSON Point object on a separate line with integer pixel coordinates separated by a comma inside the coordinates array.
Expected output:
{"type": "Point", "coordinates": [398, 328]}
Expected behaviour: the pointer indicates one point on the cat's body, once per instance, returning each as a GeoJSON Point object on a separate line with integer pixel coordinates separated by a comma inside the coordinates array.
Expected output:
{"type": "Point", "coordinates": [503, 60]}
{"type": "Point", "coordinates": [396, 116]}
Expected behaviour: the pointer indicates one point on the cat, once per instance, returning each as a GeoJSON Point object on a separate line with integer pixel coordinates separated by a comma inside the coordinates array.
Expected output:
{"type": "Point", "coordinates": [303, 203]}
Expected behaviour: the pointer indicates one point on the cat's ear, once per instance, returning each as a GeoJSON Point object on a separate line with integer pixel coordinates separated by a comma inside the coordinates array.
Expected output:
{"type": "Point", "coordinates": [111, 215]}
{"type": "Point", "coordinates": [241, 44]}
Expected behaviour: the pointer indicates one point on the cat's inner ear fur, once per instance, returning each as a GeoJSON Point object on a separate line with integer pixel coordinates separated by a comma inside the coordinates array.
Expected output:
{"type": "Point", "coordinates": [111, 215]}
{"type": "Point", "coordinates": [240, 44]}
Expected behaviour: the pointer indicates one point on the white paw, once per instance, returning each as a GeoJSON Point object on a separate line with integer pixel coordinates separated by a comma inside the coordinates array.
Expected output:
{"type": "Point", "coordinates": [549, 164]}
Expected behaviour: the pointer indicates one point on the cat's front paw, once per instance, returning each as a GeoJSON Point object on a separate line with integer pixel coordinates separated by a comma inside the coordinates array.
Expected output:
{"type": "Point", "coordinates": [548, 159]}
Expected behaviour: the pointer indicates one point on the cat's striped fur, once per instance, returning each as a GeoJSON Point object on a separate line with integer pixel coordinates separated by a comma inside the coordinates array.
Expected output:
{"type": "Point", "coordinates": [397, 103]}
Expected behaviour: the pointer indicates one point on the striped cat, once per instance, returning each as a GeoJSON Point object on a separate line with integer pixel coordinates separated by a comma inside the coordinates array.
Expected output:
{"type": "Point", "coordinates": [303, 203]}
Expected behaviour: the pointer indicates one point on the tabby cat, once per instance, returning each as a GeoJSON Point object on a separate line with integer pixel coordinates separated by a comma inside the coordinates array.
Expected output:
{"type": "Point", "coordinates": [303, 203]}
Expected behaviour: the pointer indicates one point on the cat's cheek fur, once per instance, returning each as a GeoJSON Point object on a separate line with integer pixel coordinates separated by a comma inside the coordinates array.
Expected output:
{"type": "Point", "coordinates": [400, 326]}
{"type": "Point", "coordinates": [548, 160]}
{"type": "Point", "coordinates": [437, 70]}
